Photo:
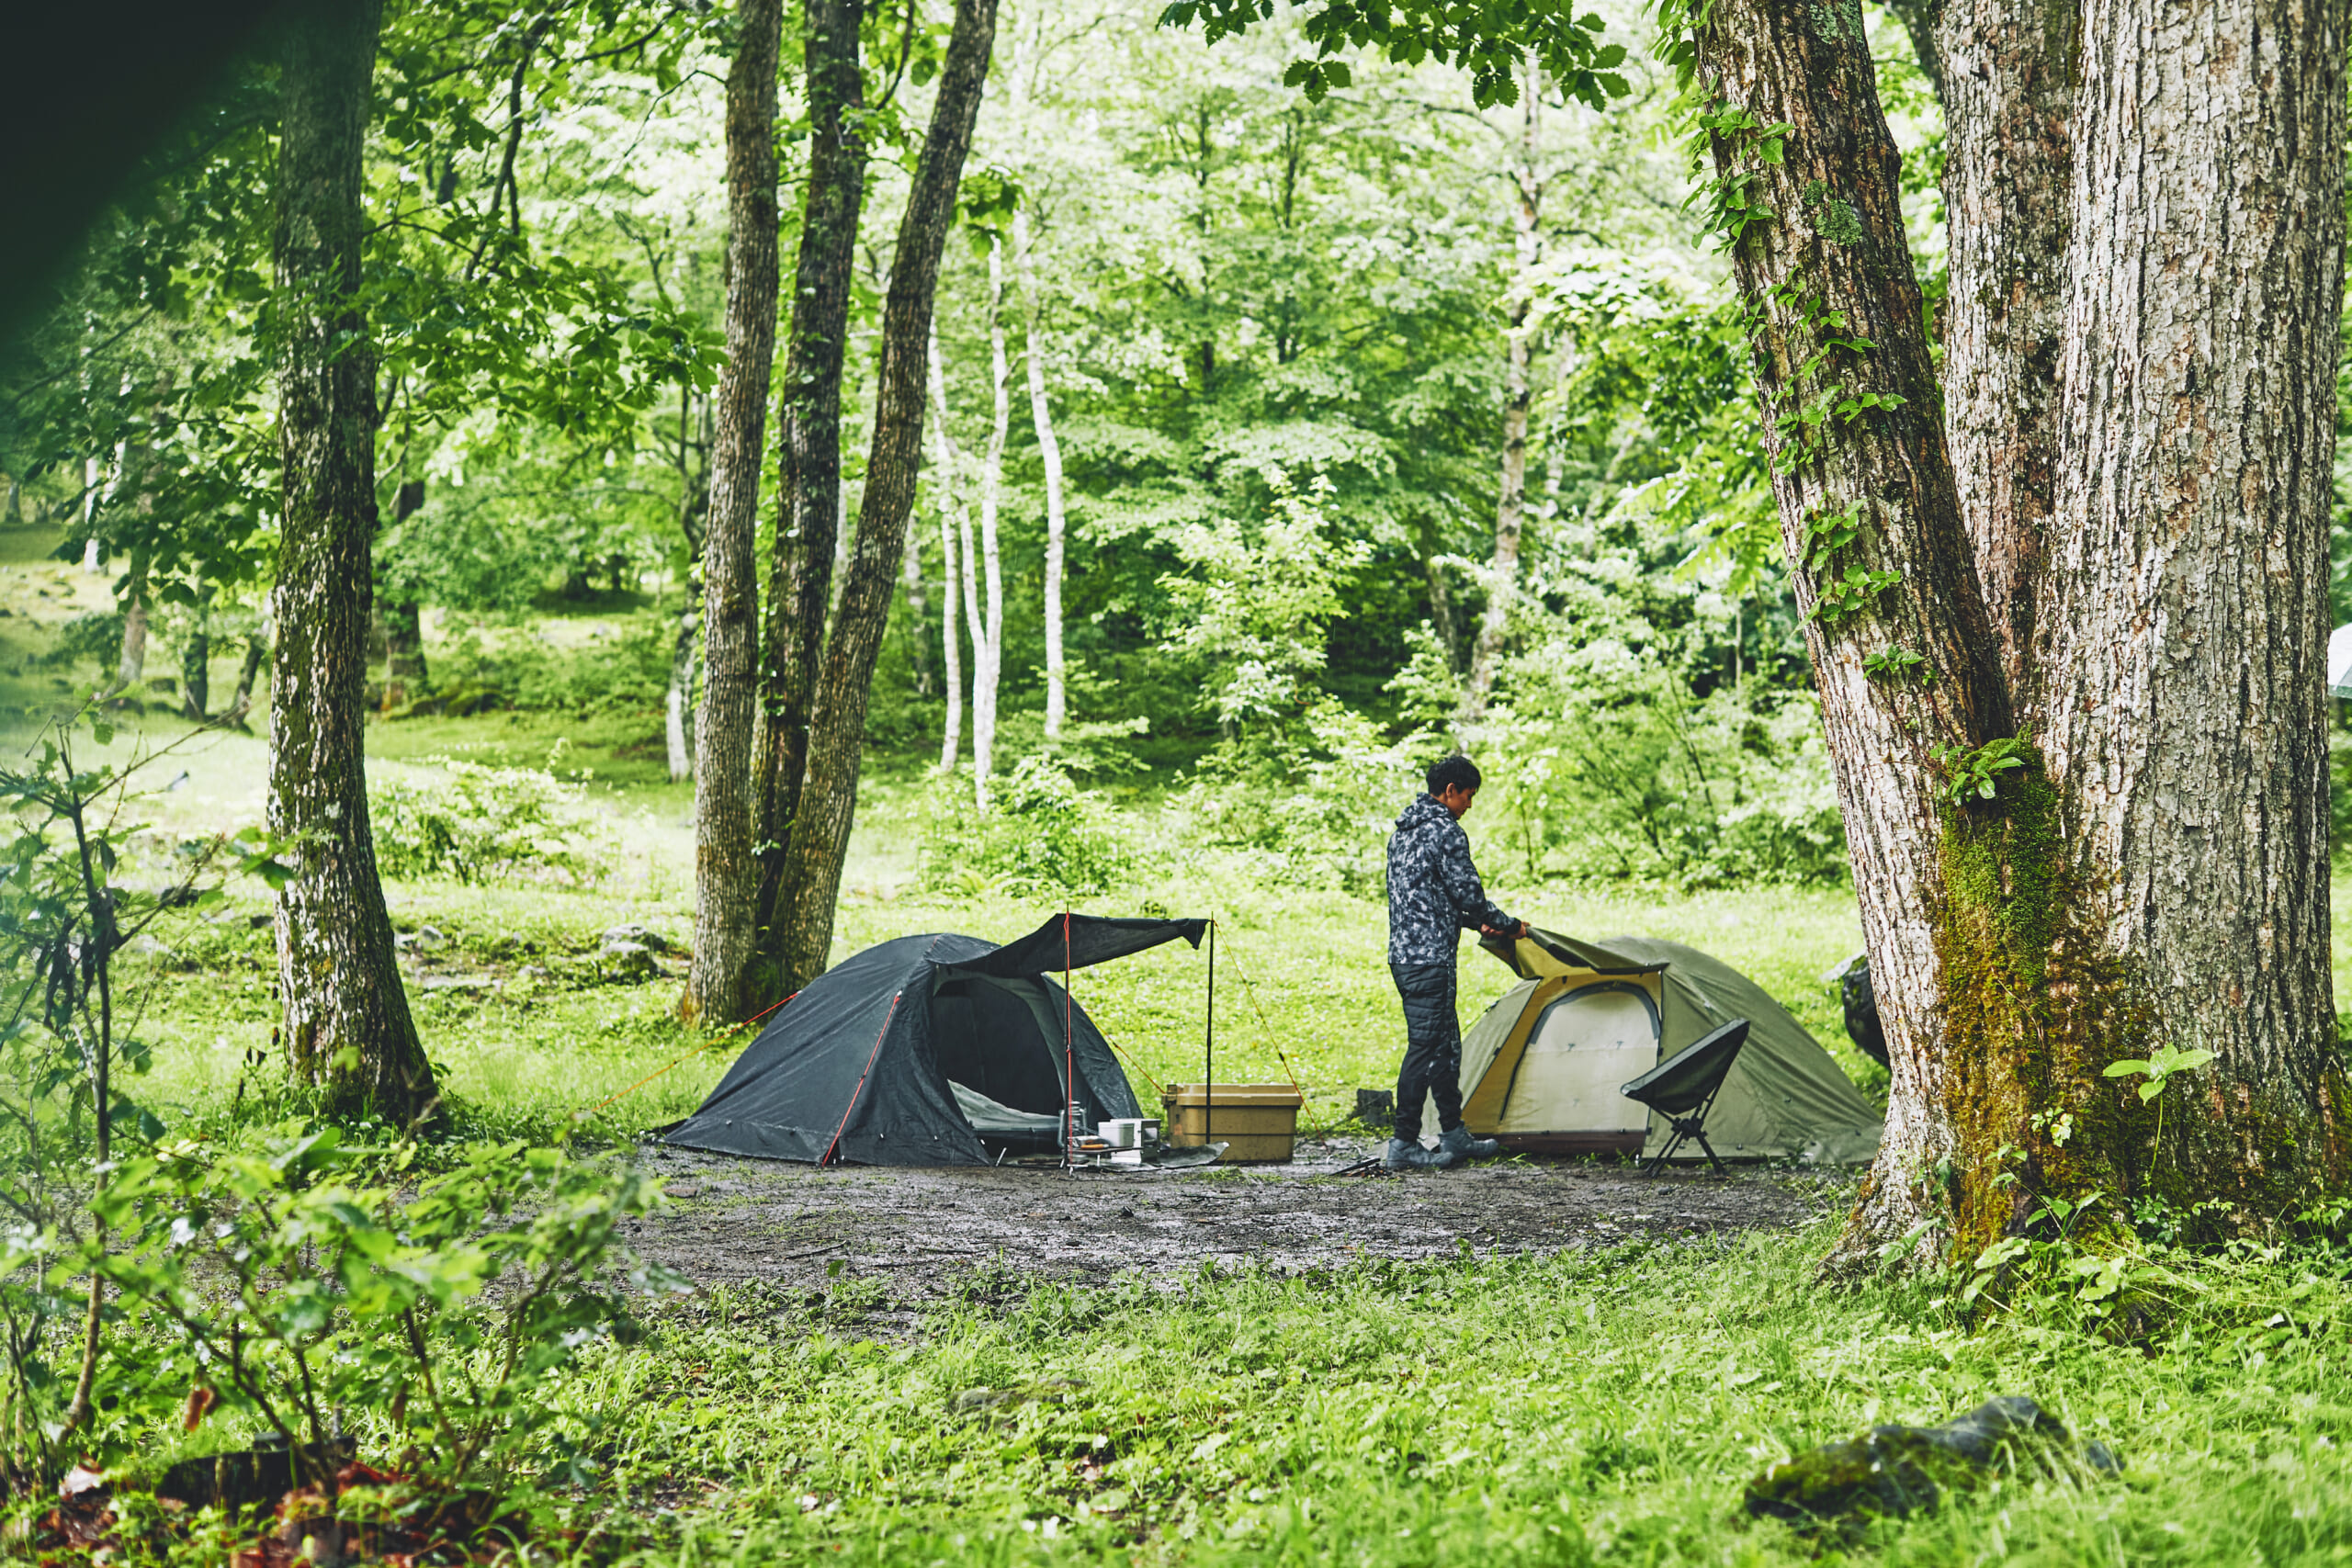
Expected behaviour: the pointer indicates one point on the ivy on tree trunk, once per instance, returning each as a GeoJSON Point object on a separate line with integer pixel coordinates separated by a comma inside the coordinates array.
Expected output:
{"type": "Point", "coordinates": [2146, 865]}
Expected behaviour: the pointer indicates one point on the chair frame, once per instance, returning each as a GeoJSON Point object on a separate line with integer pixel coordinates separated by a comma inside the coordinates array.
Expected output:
{"type": "Point", "coordinates": [1693, 1124]}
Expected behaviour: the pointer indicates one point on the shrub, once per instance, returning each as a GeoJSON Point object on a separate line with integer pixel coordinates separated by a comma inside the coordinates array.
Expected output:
{"type": "Point", "coordinates": [622, 671]}
{"type": "Point", "coordinates": [1044, 833]}
{"type": "Point", "coordinates": [485, 824]}
{"type": "Point", "coordinates": [302, 1290]}
{"type": "Point", "coordinates": [1316, 804]}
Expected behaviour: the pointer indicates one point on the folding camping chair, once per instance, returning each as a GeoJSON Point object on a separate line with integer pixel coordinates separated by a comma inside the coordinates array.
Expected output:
{"type": "Point", "coordinates": [1683, 1086]}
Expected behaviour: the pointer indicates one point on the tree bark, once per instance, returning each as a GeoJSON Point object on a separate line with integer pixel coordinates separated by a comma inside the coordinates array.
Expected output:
{"type": "Point", "coordinates": [1931, 43]}
{"type": "Point", "coordinates": [1821, 260]}
{"type": "Point", "coordinates": [404, 671]}
{"type": "Point", "coordinates": [801, 569]}
{"type": "Point", "coordinates": [919, 606]}
{"type": "Point", "coordinates": [347, 1020]}
{"type": "Point", "coordinates": [256, 655]}
{"type": "Point", "coordinates": [828, 798]}
{"type": "Point", "coordinates": [2187, 725]}
{"type": "Point", "coordinates": [2007, 191]}
{"type": "Point", "coordinates": [726, 868]}
{"type": "Point", "coordinates": [1049, 451]}
{"type": "Point", "coordinates": [132, 665]}
{"type": "Point", "coordinates": [958, 587]}
{"type": "Point", "coordinates": [988, 636]}
{"type": "Point", "coordinates": [1511, 504]}
{"type": "Point", "coordinates": [677, 719]}
{"type": "Point", "coordinates": [195, 658]}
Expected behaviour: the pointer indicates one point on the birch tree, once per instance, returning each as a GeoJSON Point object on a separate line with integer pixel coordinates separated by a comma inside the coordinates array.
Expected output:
{"type": "Point", "coordinates": [1049, 454]}
{"type": "Point", "coordinates": [947, 465]}
{"type": "Point", "coordinates": [1510, 501]}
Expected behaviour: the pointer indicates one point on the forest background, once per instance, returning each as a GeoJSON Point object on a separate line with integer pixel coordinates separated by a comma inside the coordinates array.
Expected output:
{"type": "Point", "coordinates": [1272, 361]}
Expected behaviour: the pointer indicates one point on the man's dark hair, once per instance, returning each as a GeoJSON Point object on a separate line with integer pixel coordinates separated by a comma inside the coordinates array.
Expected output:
{"type": "Point", "coordinates": [1456, 771]}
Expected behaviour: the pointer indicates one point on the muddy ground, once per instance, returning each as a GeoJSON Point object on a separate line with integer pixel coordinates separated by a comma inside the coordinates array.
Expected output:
{"type": "Point", "coordinates": [916, 1231]}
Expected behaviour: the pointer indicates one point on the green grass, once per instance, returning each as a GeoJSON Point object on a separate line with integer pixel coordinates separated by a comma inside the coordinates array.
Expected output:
{"type": "Point", "coordinates": [1602, 1407]}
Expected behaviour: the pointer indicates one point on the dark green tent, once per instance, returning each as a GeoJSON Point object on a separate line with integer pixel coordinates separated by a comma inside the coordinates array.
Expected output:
{"type": "Point", "coordinates": [923, 1049]}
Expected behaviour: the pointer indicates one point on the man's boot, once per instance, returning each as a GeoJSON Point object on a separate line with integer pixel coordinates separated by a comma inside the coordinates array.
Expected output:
{"type": "Point", "coordinates": [1456, 1141]}
{"type": "Point", "coordinates": [1407, 1153]}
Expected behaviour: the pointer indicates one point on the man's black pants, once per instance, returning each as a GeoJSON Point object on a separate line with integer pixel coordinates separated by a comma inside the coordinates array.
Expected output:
{"type": "Point", "coordinates": [1432, 1047]}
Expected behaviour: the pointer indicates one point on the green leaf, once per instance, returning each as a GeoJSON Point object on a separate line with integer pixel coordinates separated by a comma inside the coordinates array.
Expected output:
{"type": "Point", "coordinates": [2125, 1069]}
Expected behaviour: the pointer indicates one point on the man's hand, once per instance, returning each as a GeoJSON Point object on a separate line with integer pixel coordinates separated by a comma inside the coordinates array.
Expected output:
{"type": "Point", "coordinates": [1512, 934]}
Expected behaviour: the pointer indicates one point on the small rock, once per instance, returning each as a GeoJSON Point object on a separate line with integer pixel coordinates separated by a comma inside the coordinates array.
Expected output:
{"type": "Point", "coordinates": [628, 961]}
{"type": "Point", "coordinates": [1896, 1470]}
{"type": "Point", "coordinates": [641, 936]}
{"type": "Point", "coordinates": [421, 940]}
{"type": "Point", "coordinates": [457, 983]}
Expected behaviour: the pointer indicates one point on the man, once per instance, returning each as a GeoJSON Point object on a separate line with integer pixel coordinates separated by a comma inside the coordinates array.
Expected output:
{"type": "Point", "coordinates": [1434, 894]}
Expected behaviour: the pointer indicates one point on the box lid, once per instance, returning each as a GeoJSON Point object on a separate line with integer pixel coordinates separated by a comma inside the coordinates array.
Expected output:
{"type": "Point", "coordinates": [1237, 1095]}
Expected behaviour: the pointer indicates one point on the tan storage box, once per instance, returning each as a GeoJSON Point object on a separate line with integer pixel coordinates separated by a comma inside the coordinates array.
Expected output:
{"type": "Point", "coordinates": [1258, 1122]}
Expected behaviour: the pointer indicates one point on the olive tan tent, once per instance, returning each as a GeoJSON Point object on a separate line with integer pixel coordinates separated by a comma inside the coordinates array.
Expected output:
{"type": "Point", "coordinates": [1542, 1069]}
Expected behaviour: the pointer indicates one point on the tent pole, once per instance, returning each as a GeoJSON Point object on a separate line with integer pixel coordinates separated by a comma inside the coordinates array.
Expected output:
{"type": "Point", "coordinates": [1208, 1050]}
{"type": "Point", "coordinates": [1070, 1079]}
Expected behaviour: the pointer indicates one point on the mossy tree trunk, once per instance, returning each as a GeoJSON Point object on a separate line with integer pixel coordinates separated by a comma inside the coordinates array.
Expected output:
{"type": "Point", "coordinates": [1819, 254]}
{"type": "Point", "coordinates": [2187, 726]}
{"type": "Point", "coordinates": [2154, 874]}
{"type": "Point", "coordinates": [801, 570]}
{"type": "Point", "coordinates": [348, 1025]}
{"type": "Point", "coordinates": [802, 932]}
{"type": "Point", "coordinates": [725, 867]}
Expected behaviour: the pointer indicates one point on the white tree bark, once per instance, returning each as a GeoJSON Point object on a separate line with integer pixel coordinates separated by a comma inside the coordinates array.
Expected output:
{"type": "Point", "coordinates": [1511, 504]}
{"type": "Point", "coordinates": [678, 717]}
{"type": "Point", "coordinates": [945, 459]}
{"type": "Point", "coordinates": [1049, 451]}
{"type": "Point", "coordinates": [987, 634]}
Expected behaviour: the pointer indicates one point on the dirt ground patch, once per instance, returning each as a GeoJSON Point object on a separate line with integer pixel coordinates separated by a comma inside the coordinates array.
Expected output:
{"type": "Point", "coordinates": [738, 1221]}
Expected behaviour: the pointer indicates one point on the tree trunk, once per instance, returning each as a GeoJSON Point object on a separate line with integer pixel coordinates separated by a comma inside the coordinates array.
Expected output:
{"type": "Point", "coordinates": [1819, 256]}
{"type": "Point", "coordinates": [1049, 450]}
{"type": "Point", "coordinates": [837, 736]}
{"type": "Point", "coordinates": [1510, 506]}
{"type": "Point", "coordinates": [678, 726]}
{"type": "Point", "coordinates": [988, 637]}
{"type": "Point", "coordinates": [2188, 720]}
{"type": "Point", "coordinates": [1930, 44]}
{"type": "Point", "coordinates": [404, 672]}
{"type": "Point", "coordinates": [725, 871]}
{"type": "Point", "coordinates": [919, 606]}
{"type": "Point", "coordinates": [132, 665]}
{"type": "Point", "coordinates": [2006, 186]}
{"type": "Point", "coordinates": [1441, 601]}
{"type": "Point", "coordinates": [346, 1019]}
{"type": "Point", "coordinates": [958, 586]}
{"type": "Point", "coordinates": [195, 658]}
{"type": "Point", "coordinates": [256, 654]}
{"type": "Point", "coordinates": [800, 575]}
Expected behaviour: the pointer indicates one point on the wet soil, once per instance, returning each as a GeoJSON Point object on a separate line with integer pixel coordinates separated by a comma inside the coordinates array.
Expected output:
{"type": "Point", "coordinates": [918, 1230]}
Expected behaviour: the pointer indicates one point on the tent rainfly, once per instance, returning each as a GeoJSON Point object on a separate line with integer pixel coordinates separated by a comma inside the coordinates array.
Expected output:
{"type": "Point", "coordinates": [914, 1051]}
{"type": "Point", "coordinates": [1542, 1069]}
